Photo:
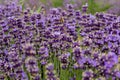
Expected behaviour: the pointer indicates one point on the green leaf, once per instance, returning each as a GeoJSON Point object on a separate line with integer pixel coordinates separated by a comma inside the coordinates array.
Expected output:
{"type": "Point", "coordinates": [94, 7]}
{"type": "Point", "coordinates": [105, 8]}
{"type": "Point", "coordinates": [22, 3]}
{"type": "Point", "coordinates": [78, 74]}
{"type": "Point", "coordinates": [57, 3]}
{"type": "Point", "coordinates": [39, 9]}
{"type": "Point", "coordinates": [43, 1]}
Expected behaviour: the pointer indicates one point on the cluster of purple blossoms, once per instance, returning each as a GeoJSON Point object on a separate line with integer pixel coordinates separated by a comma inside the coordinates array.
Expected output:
{"type": "Point", "coordinates": [30, 60]}
{"type": "Point", "coordinates": [64, 59]}
{"type": "Point", "coordinates": [50, 72]}
{"type": "Point", "coordinates": [43, 52]}
{"type": "Point", "coordinates": [38, 46]}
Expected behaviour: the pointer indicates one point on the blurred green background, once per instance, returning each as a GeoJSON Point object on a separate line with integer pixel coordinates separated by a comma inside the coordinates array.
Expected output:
{"type": "Point", "coordinates": [111, 6]}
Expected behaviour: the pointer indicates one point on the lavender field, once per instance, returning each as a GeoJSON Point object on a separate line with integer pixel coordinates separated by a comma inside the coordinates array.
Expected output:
{"type": "Point", "coordinates": [59, 40]}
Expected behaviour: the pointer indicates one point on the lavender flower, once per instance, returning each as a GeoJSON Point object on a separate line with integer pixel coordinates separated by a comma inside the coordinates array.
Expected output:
{"type": "Point", "coordinates": [50, 72]}
{"type": "Point", "coordinates": [86, 43]}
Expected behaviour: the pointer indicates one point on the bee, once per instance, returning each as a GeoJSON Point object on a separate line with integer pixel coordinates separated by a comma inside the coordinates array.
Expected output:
{"type": "Point", "coordinates": [43, 10]}
{"type": "Point", "coordinates": [62, 20]}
